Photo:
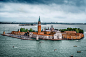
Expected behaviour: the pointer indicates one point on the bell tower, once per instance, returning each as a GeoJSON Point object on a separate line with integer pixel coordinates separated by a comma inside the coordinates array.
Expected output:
{"type": "Point", "coordinates": [39, 26]}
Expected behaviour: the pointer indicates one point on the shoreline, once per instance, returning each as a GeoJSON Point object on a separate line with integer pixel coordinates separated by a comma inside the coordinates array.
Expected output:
{"type": "Point", "coordinates": [22, 37]}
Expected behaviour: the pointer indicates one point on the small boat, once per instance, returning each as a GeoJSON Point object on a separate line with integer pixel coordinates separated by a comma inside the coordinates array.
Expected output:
{"type": "Point", "coordinates": [55, 39]}
{"type": "Point", "coordinates": [75, 46]}
{"type": "Point", "coordinates": [78, 51]}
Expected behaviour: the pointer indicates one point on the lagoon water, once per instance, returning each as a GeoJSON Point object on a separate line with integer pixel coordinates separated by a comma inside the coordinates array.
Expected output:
{"type": "Point", "coordinates": [32, 48]}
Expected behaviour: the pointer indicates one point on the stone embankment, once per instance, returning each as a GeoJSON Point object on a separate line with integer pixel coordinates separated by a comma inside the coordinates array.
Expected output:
{"type": "Point", "coordinates": [17, 36]}
{"type": "Point", "coordinates": [65, 37]}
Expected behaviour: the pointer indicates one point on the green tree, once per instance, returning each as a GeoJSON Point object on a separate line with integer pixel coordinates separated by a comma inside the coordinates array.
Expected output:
{"type": "Point", "coordinates": [31, 30]}
{"type": "Point", "coordinates": [22, 29]}
{"type": "Point", "coordinates": [77, 31]}
{"type": "Point", "coordinates": [74, 29]}
{"type": "Point", "coordinates": [69, 29]}
{"type": "Point", "coordinates": [62, 30]}
{"type": "Point", "coordinates": [81, 31]}
{"type": "Point", "coordinates": [26, 30]}
{"type": "Point", "coordinates": [65, 29]}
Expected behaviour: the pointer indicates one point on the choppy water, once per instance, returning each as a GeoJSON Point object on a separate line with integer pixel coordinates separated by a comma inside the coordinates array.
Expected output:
{"type": "Point", "coordinates": [32, 48]}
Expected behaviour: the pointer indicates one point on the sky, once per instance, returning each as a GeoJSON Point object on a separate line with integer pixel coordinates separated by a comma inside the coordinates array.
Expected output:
{"type": "Point", "coordinates": [65, 11]}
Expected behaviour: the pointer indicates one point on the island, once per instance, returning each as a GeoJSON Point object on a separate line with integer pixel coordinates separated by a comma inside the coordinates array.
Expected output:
{"type": "Point", "coordinates": [47, 34]}
{"type": "Point", "coordinates": [27, 24]}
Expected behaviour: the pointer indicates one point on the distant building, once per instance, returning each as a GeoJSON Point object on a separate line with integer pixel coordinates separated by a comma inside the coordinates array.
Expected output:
{"type": "Point", "coordinates": [18, 33]}
{"type": "Point", "coordinates": [58, 35]}
{"type": "Point", "coordinates": [39, 27]}
{"type": "Point", "coordinates": [46, 34]}
{"type": "Point", "coordinates": [52, 29]}
{"type": "Point", "coordinates": [70, 32]}
{"type": "Point", "coordinates": [50, 34]}
{"type": "Point", "coordinates": [72, 35]}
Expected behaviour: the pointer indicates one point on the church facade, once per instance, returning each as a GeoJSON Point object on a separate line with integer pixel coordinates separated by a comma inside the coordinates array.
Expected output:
{"type": "Point", "coordinates": [47, 34]}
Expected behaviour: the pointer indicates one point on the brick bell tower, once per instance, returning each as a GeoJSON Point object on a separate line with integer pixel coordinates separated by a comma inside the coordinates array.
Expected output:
{"type": "Point", "coordinates": [39, 26]}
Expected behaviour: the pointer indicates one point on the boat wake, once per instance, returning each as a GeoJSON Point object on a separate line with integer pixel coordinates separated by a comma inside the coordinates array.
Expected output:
{"type": "Point", "coordinates": [77, 40]}
{"type": "Point", "coordinates": [15, 47]}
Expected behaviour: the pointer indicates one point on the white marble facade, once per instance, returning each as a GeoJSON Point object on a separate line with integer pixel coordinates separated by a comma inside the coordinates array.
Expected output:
{"type": "Point", "coordinates": [58, 35]}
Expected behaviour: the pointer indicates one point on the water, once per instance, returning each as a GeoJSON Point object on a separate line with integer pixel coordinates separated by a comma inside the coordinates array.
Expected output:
{"type": "Point", "coordinates": [32, 48]}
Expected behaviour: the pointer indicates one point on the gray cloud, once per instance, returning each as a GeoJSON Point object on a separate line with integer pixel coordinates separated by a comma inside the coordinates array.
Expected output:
{"type": "Point", "coordinates": [67, 2]}
{"type": "Point", "coordinates": [49, 12]}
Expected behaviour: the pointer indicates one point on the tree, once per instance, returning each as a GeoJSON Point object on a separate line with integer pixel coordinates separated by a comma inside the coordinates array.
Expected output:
{"type": "Point", "coordinates": [26, 30]}
{"type": "Point", "coordinates": [74, 29]}
{"type": "Point", "coordinates": [65, 29]}
{"type": "Point", "coordinates": [81, 31]}
{"type": "Point", "coordinates": [69, 29]}
{"type": "Point", "coordinates": [22, 29]}
{"type": "Point", "coordinates": [31, 30]}
{"type": "Point", "coordinates": [77, 31]}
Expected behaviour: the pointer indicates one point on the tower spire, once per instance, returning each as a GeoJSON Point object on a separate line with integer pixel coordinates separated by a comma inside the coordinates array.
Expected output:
{"type": "Point", "coordinates": [39, 18]}
{"type": "Point", "coordinates": [39, 26]}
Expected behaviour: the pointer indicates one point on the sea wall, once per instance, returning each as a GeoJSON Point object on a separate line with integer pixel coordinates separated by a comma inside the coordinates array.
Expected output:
{"type": "Point", "coordinates": [73, 36]}
{"type": "Point", "coordinates": [31, 35]}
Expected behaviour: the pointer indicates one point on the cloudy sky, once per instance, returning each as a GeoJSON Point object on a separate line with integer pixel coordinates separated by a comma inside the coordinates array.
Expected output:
{"type": "Point", "coordinates": [70, 11]}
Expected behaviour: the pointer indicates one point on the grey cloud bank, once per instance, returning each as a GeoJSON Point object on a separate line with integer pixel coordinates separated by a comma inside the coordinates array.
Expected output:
{"type": "Point", "coordinates": [61, 10]}
{"type": "Point", "coordinates": [70, 2]}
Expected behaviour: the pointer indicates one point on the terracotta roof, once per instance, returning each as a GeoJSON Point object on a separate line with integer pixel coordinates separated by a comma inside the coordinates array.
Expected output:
{"type": "Point", "coordinates": [41, 34]}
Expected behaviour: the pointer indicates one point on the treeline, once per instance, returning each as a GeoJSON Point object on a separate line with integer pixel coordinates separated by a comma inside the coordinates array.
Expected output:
{"type": "Point", "coordinates": [26, 30]}
{"type": "Point", "coordinates": [31, 30]}
{"type": "Point", "coordinates": [78, 30]}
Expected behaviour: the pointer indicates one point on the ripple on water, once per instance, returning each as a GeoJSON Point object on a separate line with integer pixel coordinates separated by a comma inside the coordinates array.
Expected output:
{"type": "Point", "coordinates": [45, 48]}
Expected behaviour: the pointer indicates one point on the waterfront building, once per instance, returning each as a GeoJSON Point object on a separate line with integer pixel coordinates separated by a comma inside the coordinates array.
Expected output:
{"type": "Point", "coordinates": [39, 27]}
{"type": "Point", "coordinates": [50, 33]}
{"type": "Point", "coordinates": [46, 34]}
{"type": "Point", "coordinates": [52, 29]}
{"type": "Point", "coordinates": [72, 35]}
{"type": "Point", "coordinates": [18, 33]}
{"type": "Point", "coordinates": [58, 35]}
{"type": "Point", "coordinates": [68, 32]}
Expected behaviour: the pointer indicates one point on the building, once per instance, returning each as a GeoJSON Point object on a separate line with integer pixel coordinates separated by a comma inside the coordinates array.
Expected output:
{"type": "Point", "coordinates": [72, 35]}
{"type": "Point", "coordinates": [68, 32]}
{"type": "Point", "coordinates": [39, 27]}
{"type": "Point", "coordinates": [46, 34]}
{"type": "Point", "coordinates": [18, 33]}
{"type": "Point", "coordinates": [58, 35]}
{"type": "Point", "coordinates": [49, 34]}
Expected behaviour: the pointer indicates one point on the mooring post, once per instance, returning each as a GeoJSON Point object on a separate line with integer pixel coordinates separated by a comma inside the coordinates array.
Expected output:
{"type": "Point", "coordinates": [3, 32]}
